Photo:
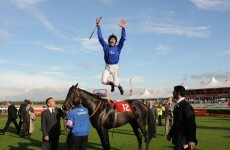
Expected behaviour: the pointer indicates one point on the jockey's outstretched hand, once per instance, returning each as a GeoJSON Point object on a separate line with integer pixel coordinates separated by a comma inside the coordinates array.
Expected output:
{"type": "Point", "coordinates": [98, 22]}
{"type": "Point", "coordinates": [123, 23]}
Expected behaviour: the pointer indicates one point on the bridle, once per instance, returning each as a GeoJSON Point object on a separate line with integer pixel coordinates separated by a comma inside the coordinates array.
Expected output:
{"type": "Point", "coordinates": [97, 107]}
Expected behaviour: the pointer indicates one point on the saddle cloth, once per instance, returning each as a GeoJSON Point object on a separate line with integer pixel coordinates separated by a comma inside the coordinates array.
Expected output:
{"type": "Point", "coordinates": [120, 106]}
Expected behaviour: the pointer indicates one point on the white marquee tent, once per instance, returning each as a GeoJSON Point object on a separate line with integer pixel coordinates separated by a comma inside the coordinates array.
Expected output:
{"type": "Point", "coordinates": [145, 95]}
{"type": "Point", "coordinates": [213, 83]}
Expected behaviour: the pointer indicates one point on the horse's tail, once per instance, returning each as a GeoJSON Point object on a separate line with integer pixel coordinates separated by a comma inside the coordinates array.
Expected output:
{"type": "Point", "coordinates": [151, 124]}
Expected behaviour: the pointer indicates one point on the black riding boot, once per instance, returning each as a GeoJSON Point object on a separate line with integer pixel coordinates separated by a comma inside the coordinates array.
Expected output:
{"type": "Point", "coordinates": [121, 89]}
{"type": "Point", "coordinates": [112, 86]}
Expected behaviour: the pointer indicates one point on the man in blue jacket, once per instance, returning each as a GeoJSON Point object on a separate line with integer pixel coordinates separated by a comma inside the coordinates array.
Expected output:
{"type": "Point", "coordinates": [79, 124]}
{"type": "Point", "coordinates": [112, 56]}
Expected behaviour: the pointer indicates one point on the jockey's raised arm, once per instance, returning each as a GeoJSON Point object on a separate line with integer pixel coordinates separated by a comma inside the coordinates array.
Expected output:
{"type": "Point", "coordinates": [123, 34]}
{"type": "Point", "coordinates": [99, 34]}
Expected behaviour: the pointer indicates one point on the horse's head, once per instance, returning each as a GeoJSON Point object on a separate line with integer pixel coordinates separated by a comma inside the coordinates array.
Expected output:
{"type": "Point", "coordinates": [73, 98]}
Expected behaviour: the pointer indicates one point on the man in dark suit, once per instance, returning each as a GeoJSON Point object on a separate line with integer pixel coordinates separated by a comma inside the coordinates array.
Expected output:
{"type": "Point", "coordinates": [183, 131]}
{"type": "Point", "coordinates": [25, 118]}
{"type": "Point", "coordinates": [21, 108]}
{"type": "Point", "coordinates": [50, 122]}
{"type": "Point", "coordinates": [154, 110]}
{"type": "Point", "coordinates": [12, 117]}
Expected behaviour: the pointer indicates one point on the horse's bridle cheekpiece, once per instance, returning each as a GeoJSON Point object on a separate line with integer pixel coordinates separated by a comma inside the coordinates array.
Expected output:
{"type": "Point", "coordinates": [79, 97]}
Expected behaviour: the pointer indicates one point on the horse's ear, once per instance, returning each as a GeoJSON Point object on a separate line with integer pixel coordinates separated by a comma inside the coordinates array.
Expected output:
{"type": "Point", "coordinates": [76, 85]}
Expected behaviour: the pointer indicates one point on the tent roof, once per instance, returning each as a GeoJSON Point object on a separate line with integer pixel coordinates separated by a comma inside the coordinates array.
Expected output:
{"type": "Point", "coordinates": [145, 95]}
{"type": "Point", "coordinates": [212, 83]}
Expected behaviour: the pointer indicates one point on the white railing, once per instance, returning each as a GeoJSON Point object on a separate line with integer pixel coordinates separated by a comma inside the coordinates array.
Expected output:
{"type": "Point", "coordinates": [211, 105]}
{"type": "Point", "coordinates": [4, 110]}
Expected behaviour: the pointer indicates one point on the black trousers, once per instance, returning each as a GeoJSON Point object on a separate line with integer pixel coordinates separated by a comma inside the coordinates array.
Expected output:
{"type": "Point", "coordinates": [159, 120]}
{"type": "Point", "coordinates": [25, 128]}
{"type": "Point", "coordinates": [154, 128]}
{"type": "Point", "coordinates": [50, 145]}
{"type": "Point", "coordinates": [78, 142]}
{"type": "Point", "coordinates": [8, 124]}
{"type": "Point", "coordinates": [19, 125]}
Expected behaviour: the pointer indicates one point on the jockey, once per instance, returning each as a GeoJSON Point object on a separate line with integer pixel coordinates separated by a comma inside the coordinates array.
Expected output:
{"type": "Point", "coordinates": [112, 56]}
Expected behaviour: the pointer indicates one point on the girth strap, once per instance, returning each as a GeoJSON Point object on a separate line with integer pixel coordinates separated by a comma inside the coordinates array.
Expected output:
{"type": "Point", "coordinates": [115, 119]}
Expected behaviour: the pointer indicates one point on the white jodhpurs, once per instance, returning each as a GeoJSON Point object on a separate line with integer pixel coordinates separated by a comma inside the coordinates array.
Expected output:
{"type": "Point", "coordinates": [110, 69]}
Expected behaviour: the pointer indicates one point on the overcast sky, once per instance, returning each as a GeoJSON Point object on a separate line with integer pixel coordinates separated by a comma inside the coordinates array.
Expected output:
{"type": "Point", "coordinates": [45, 46]}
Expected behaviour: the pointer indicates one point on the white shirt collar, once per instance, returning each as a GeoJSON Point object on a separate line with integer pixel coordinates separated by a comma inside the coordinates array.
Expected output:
{"type": "Point", "coordinates": [51, 109]}
{"type": "Point", "coordinates": [179, 100]}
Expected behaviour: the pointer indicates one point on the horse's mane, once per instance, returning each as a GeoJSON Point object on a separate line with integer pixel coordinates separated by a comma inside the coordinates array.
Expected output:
{"type": "Point", "coordinates": [94, 95]}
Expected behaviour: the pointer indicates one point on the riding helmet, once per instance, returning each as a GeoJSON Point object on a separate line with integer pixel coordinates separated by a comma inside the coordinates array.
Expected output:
{"type": "Point", "coordinates": [112, 36]}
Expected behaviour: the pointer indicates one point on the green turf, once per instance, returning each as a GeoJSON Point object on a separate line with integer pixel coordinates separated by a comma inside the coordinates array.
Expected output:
{"type": "Point", "coordinates": [213, 122]}
{"type": "Point", "coordinates": [124, 139]}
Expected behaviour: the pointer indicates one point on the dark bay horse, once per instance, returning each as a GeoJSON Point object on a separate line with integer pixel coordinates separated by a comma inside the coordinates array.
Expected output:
{"type": "Point", "coordinates": [103, 117]}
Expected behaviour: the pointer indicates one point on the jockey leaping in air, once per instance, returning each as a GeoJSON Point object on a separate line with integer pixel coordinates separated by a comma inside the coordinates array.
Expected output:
{"type": "Point", "coordinates": [112, 56]}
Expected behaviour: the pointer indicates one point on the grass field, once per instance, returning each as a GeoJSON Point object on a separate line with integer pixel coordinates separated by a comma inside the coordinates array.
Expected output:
{"type": "Point", "coordinates": [124, 139]}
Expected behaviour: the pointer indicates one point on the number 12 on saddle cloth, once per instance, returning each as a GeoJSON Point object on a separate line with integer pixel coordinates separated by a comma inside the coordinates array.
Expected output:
{"type": "Point", "coordinates": [120, 106]}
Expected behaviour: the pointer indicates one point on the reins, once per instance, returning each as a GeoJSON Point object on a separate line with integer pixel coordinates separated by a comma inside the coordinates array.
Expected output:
{"type": "Point", "coordinates": [95, 110]}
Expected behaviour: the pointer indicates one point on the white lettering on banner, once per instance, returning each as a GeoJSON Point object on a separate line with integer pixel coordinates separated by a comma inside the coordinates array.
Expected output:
{"type": "Point", "coordinates": [126, 107]}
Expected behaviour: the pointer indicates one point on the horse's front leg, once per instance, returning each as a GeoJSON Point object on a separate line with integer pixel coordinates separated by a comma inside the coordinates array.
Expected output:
{"type": "Point", "coordinates": [104, 136]}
